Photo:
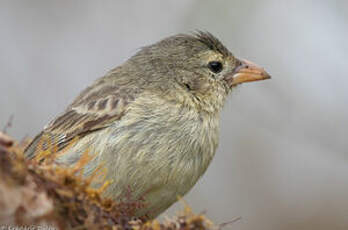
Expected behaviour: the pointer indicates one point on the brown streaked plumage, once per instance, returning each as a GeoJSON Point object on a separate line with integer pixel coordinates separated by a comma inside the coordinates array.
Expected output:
{"type": "Point", "coordinates": [153, 121]}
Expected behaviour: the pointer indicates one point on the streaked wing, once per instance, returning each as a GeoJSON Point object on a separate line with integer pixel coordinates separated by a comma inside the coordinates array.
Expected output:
{"type": "Point", "coordinates": [95, 108]}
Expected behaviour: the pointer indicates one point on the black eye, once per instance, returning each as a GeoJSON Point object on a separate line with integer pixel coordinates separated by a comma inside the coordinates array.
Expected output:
{"type": "Point", "coordinates": [215, 66]}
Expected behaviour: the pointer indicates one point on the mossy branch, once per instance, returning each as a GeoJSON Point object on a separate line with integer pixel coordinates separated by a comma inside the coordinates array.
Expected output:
{"type": "Point", "coordinates": [61, 199]}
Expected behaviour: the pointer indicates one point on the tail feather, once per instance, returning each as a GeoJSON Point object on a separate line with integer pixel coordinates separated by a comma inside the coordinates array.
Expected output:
{"type": "Point", "coordinates": [31, 151]}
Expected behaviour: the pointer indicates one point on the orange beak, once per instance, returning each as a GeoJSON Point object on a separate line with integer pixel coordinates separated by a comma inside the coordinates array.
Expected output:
{"type": "Point", "coordinates": [246, 72]}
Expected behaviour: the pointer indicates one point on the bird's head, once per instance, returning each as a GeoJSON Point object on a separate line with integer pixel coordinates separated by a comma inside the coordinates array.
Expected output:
{"type": "Point", "coordinates": [199, 65]}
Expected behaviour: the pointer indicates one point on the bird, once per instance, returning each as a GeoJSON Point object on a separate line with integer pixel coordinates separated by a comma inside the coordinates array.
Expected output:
{"type": "Point", "coordinates": [153, 121]}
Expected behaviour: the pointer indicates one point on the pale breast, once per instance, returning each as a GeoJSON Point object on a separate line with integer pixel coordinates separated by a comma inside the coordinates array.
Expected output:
{"type": "Point", "coordinates": [163, 152]}
{"type": "Point", "coordinates": [159, 153]}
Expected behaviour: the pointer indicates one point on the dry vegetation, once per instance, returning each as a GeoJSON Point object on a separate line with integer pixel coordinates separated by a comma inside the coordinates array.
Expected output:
{"type": "Point", "coordinates": [34, 195]}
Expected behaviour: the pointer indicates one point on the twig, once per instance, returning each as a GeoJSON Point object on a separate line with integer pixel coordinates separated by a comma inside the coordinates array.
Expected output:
{"type": "Point", "coordinates": [229, 222]}
{"type": "Point", "coordinates": [8, 124]}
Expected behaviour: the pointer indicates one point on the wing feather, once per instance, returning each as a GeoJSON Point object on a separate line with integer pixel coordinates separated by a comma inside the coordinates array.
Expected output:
{"type": "Point", "coordinates": [95, 108]}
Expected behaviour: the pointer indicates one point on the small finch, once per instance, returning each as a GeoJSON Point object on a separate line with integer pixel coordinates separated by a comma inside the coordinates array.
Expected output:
{"type": "Point", "coordinates": [152, 122]}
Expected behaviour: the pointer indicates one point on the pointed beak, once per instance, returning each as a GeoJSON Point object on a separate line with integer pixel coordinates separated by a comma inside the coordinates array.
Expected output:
{"type": "Point", "coordinates": [246, 72]}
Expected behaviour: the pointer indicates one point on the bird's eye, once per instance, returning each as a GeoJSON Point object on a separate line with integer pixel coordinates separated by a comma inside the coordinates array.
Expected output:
{"type": "Point", "coordinates": [215, 66]}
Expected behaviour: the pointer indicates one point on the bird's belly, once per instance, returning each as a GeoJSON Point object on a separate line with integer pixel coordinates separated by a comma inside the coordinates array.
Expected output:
{"type": "Point", "coordinates": [164, 187]}
{"type": "Point", "coordinates": [158, 162]}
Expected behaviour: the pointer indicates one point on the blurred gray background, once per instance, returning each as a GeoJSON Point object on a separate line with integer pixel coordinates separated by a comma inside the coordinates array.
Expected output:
{"type": "Point", "coordinates": [283, 156]}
